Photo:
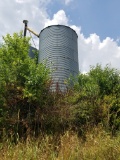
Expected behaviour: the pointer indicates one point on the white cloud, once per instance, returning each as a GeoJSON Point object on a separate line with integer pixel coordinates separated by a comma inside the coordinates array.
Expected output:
{"type": "Point", "coordinates": [14, 12]}
{"type": "Point", "coordinates": [67, 1]}
{"type": "Point", "coordinates": [91, 49]}
{"type": "Point", "coordinates": [58, 18]}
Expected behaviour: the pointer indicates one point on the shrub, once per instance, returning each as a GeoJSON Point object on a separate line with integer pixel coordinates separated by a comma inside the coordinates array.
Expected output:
{"type": "Point", "coordinates": [24, 85]}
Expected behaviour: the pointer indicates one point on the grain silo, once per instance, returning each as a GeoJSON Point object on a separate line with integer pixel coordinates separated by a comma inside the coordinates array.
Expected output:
{"type": "Point", "coordinates": [58, 47]}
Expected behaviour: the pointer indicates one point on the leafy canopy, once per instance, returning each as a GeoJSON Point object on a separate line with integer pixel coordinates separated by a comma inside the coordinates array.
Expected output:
{"type": "Point", "coordinates": [20, 76]}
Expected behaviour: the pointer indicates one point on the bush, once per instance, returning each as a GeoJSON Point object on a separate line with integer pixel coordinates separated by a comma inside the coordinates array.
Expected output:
{"type": "Point", "coordinates": [24, 85]}
{"type": "Point", "coordinates": [96, 98]}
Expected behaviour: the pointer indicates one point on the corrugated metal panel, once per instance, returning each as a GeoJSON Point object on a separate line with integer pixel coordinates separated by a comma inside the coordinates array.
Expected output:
{"type": "Point", "coordinates": [32, 52]}
{"type": "Point", "coordinates": [58, 47]}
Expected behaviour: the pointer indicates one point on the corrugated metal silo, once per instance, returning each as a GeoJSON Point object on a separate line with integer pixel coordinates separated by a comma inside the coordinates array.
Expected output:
{"type": "Point", "coordinates": [58, 47]}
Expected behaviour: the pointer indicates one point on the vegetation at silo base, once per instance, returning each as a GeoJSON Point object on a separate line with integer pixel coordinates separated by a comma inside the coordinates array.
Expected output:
{"type": "Point", "coordinates": [98, 145]}
{"type": "Point", "coordinates": [81, 124]}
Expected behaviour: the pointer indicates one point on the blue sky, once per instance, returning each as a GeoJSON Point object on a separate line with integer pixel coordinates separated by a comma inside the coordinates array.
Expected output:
{"type": "Point", "coordinates": [95, 21]}
{"type": "Point", "coordinates": [94, 16]}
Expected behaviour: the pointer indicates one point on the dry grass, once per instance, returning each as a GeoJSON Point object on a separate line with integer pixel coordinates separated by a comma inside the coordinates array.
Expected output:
{"type": "Point", "coordinates": [98, 146]}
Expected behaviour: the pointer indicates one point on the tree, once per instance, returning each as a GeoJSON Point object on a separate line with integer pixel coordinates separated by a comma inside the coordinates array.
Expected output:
{"type": "Point", "coordinates": [24, 85]}
{"type": "Point", "coordinates": [107, 78]}
{"type": "Point", "coordinates": [97, 97]}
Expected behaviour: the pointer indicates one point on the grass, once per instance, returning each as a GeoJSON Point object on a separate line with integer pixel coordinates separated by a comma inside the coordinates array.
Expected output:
{"type": "Point", "coordinates": [98, 145]}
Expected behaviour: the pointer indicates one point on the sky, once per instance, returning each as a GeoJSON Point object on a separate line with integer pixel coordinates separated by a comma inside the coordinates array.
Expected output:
{"type": "Point", "coordinates": [96, 22]}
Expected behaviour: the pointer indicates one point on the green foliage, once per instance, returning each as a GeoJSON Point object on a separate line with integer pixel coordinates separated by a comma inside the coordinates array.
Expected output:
{"type": "Point", "coordinates": [100, 81]}
{"type": "Point", "coordinates": [97, 98]}
{"type": "Point", "coordinates": [27, 106]}
{"type": "Point", "coordinates": [23, 83]}
{"type": "Point", "coordinates": [98, 145]}
{"type": "Point", "coordinates": [107, 78]}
